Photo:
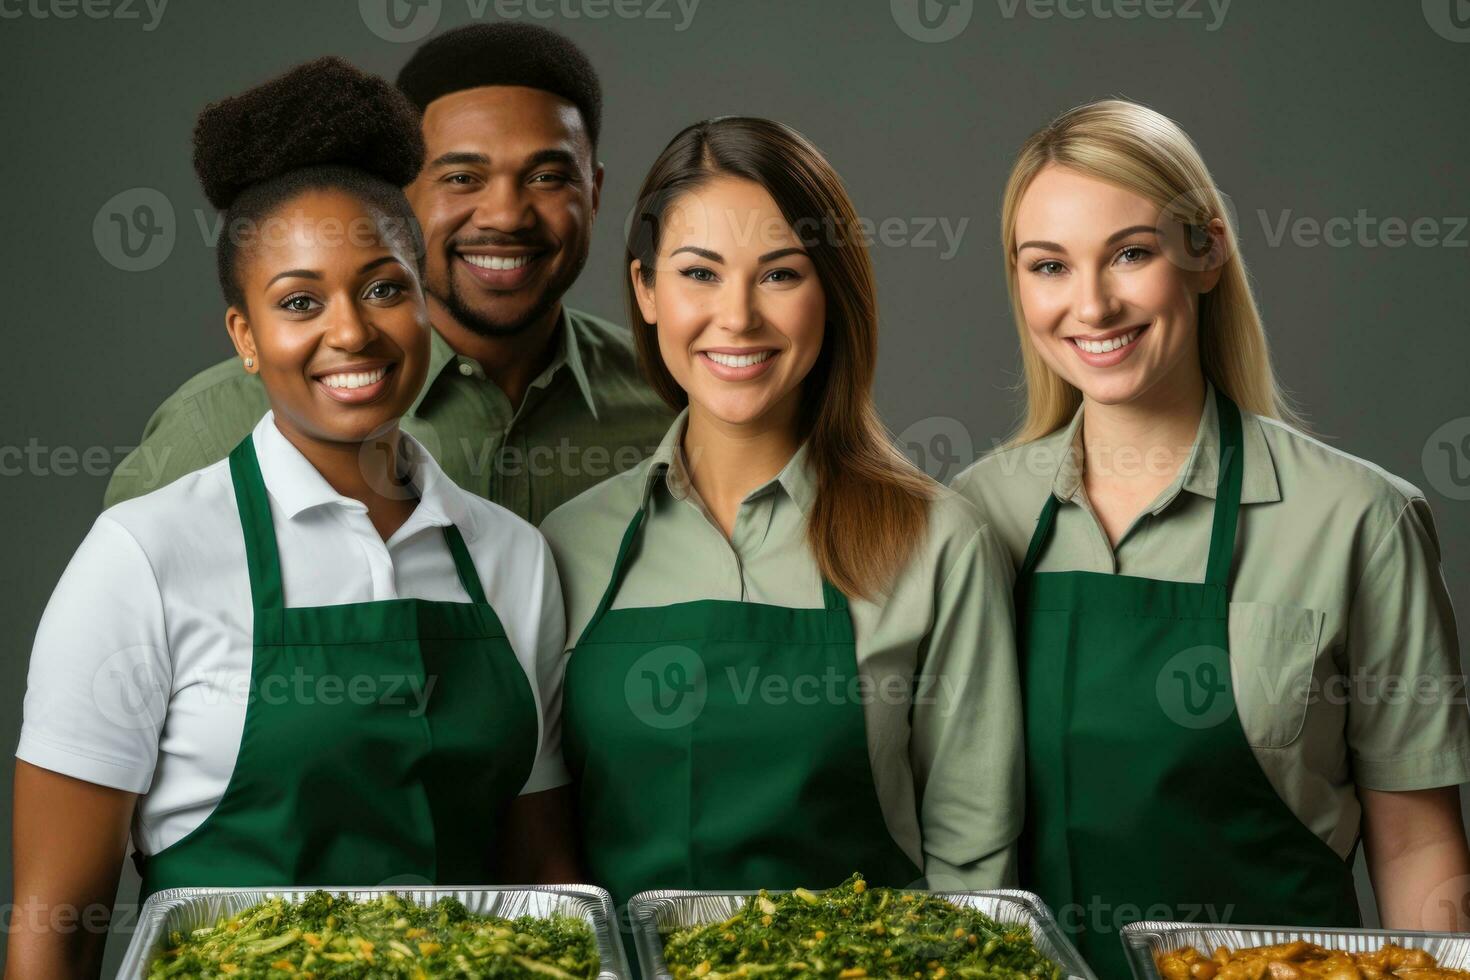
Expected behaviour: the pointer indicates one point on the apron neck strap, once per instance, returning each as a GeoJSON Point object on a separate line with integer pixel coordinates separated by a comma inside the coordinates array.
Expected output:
{"type": "Point", "coordinates": [253, 503]}
{"type": "Point", "coordinates": [833, 601]}
{"type": "Point", "coordinates": [262, 557]}
{"type": "Point", "coordinates": [1039, 536]}
{"type": "Point", "coordinates": [1231, 468]}
{"type": "Point", "coordinates": [464, 565]}
{"type": "Point", "coordinates": [617, 572]}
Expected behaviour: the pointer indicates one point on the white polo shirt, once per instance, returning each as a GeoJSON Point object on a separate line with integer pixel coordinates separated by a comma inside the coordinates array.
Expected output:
{"type": "Point", "coordinates": [139, 677]}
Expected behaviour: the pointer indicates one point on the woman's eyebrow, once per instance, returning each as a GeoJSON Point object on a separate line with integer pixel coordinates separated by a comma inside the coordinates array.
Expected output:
{"type": "Point", "coordinates": [1131, 230]}
{"type": "Point", "coordinates": [376, 262]}
{"type": "Point", "coordinates": [701, 252]}
{"type": "Point", "coordinates": [295, 274]}
{"type": "Point", "coordinates": [1115, 236]}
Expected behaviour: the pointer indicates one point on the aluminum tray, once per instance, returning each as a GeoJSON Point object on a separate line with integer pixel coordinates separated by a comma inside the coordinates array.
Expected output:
{"type": "Point", "coordinates": [657, 912]}
{"type": "Point", "coordinates": [1143, 940]}
{"type": "Point", "coordinates": [191, 908]}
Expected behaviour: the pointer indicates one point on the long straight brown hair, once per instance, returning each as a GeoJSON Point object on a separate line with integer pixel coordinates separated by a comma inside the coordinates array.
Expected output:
{"type": "Point", "coordinates": [871, 502]}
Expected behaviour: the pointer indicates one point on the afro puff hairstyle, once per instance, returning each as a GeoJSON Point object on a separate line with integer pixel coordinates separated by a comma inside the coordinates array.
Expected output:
{"type": "Point", "coordinates": [322, 125]}
{"type": "Point", "coordinates": [504, 54]}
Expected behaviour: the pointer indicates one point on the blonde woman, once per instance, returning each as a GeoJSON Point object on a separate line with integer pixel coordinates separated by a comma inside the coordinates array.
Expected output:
{"type": "Point", "coordinates": [1211, 604]}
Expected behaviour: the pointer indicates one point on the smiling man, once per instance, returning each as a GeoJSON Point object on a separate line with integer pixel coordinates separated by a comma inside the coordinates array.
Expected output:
{"type": "Point", "coordinates": [527, 402]}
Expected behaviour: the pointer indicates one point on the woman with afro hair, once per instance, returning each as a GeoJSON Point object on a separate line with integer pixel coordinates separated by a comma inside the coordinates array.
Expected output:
{"type": "Point", "coordinates": [319, 661]}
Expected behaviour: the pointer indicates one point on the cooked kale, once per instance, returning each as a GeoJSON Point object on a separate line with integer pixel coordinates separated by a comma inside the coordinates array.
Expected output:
{"type": "Point", "coordinates": [389, 937]}
{"type": "Point", "coordinates": [855, 931]}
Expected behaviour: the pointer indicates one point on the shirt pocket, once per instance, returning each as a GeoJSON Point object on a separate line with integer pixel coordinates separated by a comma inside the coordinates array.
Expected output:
{"type": "Point", "coordinates": [1273, 653]}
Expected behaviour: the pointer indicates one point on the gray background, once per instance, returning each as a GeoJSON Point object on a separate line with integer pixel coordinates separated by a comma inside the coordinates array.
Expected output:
{"type": "Point", "coordinates": [1307, 109]}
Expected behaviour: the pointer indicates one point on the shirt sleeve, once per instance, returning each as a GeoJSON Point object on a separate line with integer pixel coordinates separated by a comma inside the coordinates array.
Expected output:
{"type": "Point", "coordinates": [1408, 726]}
{"type": "Point", "coordinates": [550, 770]}
{"type": "Point", "coordinates": [967, 738]}
{"type": "Point", "coordinates": [100, 673]}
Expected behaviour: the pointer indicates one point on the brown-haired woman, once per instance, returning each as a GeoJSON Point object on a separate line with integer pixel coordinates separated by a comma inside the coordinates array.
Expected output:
{"type": "Point", "coordinates": [792, 653]}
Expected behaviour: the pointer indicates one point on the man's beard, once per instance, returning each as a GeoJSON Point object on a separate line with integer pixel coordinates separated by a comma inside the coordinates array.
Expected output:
{"type": "Point", "coordinates": [478, 323]}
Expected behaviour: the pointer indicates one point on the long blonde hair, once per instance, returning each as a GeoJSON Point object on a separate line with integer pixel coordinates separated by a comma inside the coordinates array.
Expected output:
{"type": "Point", "coordinates": [872, 504]}
{"type": "Point", "coordinates": [1136, 148]}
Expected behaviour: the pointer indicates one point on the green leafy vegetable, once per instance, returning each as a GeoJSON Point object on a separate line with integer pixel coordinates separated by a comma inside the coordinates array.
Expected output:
{"type": "Point", "coordinates": [854, 931]}
{"type": "Point", "coordinates": [389, 938]}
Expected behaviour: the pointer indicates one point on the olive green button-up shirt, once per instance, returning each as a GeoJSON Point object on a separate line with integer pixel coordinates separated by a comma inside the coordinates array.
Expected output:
{"type": "Point", "coordinates": [936, 658]}
{"type": "Point", "coordinates": [586, 417]}
{"type": "Point", "coordinates": [1343, 647]}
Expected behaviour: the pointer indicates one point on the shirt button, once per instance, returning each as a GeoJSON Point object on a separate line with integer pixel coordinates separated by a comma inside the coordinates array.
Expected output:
{"type": "Point", "coordinates": [465, 369]}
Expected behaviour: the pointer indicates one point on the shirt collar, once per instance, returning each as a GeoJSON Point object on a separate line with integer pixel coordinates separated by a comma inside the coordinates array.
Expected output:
{"type": "Point", "coordinates": [1199, 474]}
{"type": "Point", "coordinates": [295, 485]}
{"type": "Point", "coordinates": [568, 354]}
{"type": "Point", "coordinates": [667, 463]}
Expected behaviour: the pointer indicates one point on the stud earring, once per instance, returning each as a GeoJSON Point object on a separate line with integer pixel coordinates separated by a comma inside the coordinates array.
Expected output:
{"type": "Point", "coordinates": [250, 362]}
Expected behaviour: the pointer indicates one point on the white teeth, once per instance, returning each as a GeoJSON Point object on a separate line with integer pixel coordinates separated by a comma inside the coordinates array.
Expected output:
{"type": "Point", "coordinates": [1103, 346]}
{"type": "Point", "coordinates": [355, 379]}
{"type": "Point", "coordinates": [739, 360]}
{"type": "Point", "coordinates": [496, 261]}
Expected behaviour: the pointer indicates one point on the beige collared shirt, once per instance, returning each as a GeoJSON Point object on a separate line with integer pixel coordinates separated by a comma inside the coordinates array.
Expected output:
{"type": "Point", "coordinates": [937, 658]}
{"type": "Point", "coordinates": [1342, 640]}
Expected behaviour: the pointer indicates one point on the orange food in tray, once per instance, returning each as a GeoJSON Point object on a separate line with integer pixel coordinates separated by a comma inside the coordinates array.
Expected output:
{"type": "Point", "coordinates": [1303, 961]}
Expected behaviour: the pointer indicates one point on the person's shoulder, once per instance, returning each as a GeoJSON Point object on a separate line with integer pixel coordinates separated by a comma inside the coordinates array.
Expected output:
{"type": "Point", "coordinates": [182, 517]}
{"type": "Point", "coordinates": [602, 339]}
{"type": "Point", "coordinates": [610, 359]}
{"type": "Point", "coordinates": [608, 505]}
{"type": "Point", "coordinates": [1312, 473]}
{"type": "Point", "coordinates": [1009, 484]}
{"type": "Point", "coordinates": [952, 516]}
{"type": "Point", "coordinates": [498, 529]}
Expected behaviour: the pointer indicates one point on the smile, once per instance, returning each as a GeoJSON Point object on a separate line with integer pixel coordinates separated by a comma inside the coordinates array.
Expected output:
{"type": "Point", "coordinates": [356, 387]}
{"type": "Point", "coordinates": [1111, 344]}
{"type": "Point", "coordinates": [357, 379]}
{"type": "Point", "coordinates": [737, 365]}
{"type": "Point", "coordinates": [497, 262]}
{"type": "Point", "coordinates": [739, 360]}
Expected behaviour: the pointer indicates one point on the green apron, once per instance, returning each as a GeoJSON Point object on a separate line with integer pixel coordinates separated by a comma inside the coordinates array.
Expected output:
{"type": "Point", "coordinates": [708, 757]}
{"type": "Point", "coordinates": [1144, 799]}
{"type": "Point", "coordinates": [382, 740]}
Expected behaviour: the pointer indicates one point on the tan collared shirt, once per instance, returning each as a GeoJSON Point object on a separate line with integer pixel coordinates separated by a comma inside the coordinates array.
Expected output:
{"type": "Point", "coordinates": [1342, 640]}
{"type": "Point", "coordinates": [586, 417]}
{"type": "Point", "coordinates": [942, 706]}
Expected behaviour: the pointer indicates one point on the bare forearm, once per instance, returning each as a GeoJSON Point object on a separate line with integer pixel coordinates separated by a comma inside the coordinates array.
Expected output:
{"type": "Point", "coordinates": [1418, 858]}
{"type": "Point", "coordinates": [1425, 888]}
{"type": "Point", "coordinates": [68, 840]}
{"type": "Point", "coordinates": [56, 941]}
